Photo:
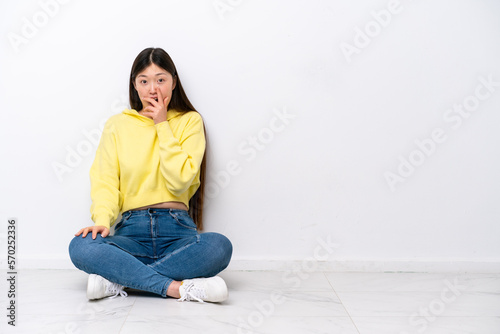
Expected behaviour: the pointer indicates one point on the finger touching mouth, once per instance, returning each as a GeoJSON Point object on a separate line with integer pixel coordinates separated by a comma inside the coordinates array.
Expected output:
{"type": "Point", "coordinates": [153, 97]}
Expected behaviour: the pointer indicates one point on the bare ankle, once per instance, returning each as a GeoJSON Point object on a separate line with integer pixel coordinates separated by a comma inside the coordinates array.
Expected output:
{"type": "Point", "coordinates": [173, 289]}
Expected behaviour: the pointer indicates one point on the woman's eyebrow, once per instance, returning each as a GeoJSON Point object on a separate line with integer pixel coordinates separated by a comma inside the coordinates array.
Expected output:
{"type": "Point", "coordinates": [157, 74]}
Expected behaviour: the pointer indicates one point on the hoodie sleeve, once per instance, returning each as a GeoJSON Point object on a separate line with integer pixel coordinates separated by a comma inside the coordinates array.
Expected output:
{"type": "Point", "coordinates": [105, 180]}
{"type": "Point", "coordinates": [180, 158]}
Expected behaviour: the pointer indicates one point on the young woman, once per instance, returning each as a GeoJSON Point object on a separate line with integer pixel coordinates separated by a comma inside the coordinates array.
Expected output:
{"type": "Point", "coordinates": [149, 167]}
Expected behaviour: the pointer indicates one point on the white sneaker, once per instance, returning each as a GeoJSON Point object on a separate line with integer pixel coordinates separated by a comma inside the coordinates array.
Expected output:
{"type": "Point", "coordinates": [211, 289]}
{"type": "Point", "coordinates": [98, 287]}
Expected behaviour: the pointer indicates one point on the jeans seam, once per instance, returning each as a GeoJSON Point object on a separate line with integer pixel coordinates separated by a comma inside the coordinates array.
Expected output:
{"type": "Point", "coordinates": [181, 224]}
{"type": "Point", "coordinates": [134, 254]}
{"type": "Point", "coordinates": [153, 237]}
{"type": "Point", "coordinates": [169, 255]}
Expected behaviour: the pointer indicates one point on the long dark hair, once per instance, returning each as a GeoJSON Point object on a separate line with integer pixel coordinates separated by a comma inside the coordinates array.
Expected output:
{"type": "Point", "coordinates": [179, 102]}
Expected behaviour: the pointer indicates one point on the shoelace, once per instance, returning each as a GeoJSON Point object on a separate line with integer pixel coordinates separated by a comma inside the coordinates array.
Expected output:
{"type": "Point", "coordinates": [191, 295]}
{"type": "Point", "coordinates": [115, 289]}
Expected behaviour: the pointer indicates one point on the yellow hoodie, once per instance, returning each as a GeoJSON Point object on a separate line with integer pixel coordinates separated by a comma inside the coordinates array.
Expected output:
{"type": "Point", "coordinates": [140, 163]}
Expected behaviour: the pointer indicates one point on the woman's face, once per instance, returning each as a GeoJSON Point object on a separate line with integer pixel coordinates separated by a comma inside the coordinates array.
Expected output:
{"type": "Point", "coordinates": [150, 80]}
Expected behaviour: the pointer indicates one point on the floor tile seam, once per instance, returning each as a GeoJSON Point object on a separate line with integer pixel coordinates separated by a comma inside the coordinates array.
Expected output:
{"type": "Point", "coordinates": [341, 302]}
{"type": "Point", "coordinates": [128, 315]}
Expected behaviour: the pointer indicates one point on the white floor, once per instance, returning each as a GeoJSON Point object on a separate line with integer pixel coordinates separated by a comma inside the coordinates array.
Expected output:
{"type": "Point", "coordinates": [53, 301]}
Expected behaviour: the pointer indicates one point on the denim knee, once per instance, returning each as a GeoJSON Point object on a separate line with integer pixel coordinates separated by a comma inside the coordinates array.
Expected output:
{"type": "Point", "coordinates": [80, 248]}
{"type": "Point", "coordinates": [223, 247]}
{"type": "Point", "coordinates": [228, 247]}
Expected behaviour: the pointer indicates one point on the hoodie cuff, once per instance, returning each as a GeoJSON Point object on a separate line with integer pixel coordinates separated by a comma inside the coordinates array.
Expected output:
{"type": "Point", "coordinates": [102, 221]}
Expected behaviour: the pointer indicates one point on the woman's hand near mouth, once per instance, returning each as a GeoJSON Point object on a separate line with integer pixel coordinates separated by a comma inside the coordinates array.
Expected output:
{"type": "Point", "coordinates": [157, 110]}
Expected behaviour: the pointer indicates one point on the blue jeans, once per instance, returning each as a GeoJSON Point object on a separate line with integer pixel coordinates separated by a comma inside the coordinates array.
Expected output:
{"type": "Point", "coordinates": [150, 248]}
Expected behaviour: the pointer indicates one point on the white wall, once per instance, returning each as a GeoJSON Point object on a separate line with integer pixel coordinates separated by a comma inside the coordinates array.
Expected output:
{"type": "Point", "coordinates": [320, 174]}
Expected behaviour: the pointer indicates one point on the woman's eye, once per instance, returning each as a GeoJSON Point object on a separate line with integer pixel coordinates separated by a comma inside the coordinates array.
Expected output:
{"type": "Point", "coordinates": [144, 82]}
{"type": "Point", "coordinates": [161, 80]}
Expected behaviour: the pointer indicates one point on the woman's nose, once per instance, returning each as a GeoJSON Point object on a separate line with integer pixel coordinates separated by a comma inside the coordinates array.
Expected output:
{"type": "Point", "coordinates": [152, 87]}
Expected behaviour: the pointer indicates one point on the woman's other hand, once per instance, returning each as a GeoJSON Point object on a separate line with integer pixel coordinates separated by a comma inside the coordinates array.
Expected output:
{"type": "Point", "coordinates": [104, 231]}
